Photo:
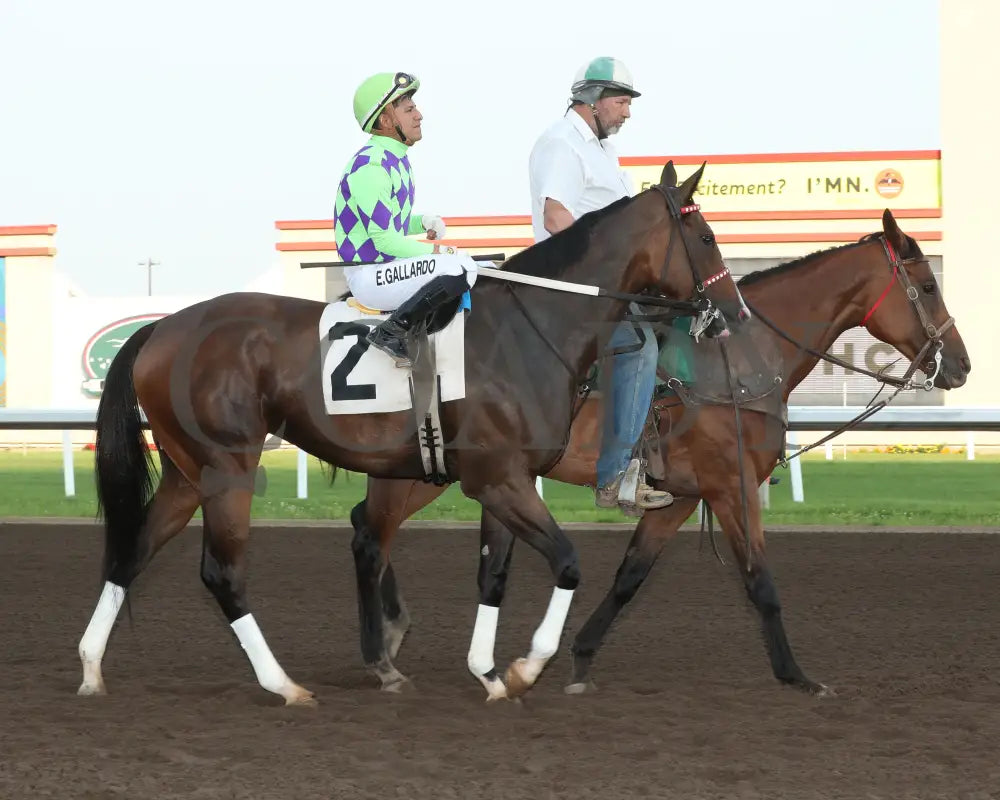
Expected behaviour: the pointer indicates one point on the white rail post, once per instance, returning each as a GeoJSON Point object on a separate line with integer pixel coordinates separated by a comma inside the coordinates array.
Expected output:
{"type": "Point", "coordinates": [829, 449]}
{"type": "Point", "coordinates": [970, 446]}
{"type": "Point", "coordinates": [69, 479]}
{"type": "Point", "coordinates": [796, 468]}
{"type": "Point", "coordinates": [538, 486]}
{"type": "Point", "coordinates": [301, 475]}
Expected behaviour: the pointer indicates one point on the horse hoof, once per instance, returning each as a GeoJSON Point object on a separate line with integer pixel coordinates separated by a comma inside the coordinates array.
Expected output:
{"type": "Point", "coordinates": [398, 686]}
{"type": "Point", "coordinates": [302, 697]}
{"type": "Point", "coordinates": [821, 690]}
{"type": "Point", "coordinates": [302, 702]}
{"type": "Point", "coordinates": [515, 679]}
{"type": "Point", "coordinates": [91, 690]}
{"type": "Point", "coordinates": [496, 692]}
{"type": "Point", "coordinates": [587, 687]}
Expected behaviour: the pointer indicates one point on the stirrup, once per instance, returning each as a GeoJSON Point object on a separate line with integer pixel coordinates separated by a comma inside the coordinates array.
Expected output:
{"type": "Point", "coordinates": [391, 344]}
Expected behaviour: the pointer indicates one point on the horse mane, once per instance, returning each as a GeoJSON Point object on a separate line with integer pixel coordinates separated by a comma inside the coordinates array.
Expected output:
{"type": "Point", "coordinates": [546, 258]}
{"type": "Point", "coordinates": [789, 266]}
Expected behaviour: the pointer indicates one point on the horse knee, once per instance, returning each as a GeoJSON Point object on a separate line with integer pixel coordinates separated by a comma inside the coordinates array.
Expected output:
{"type": "Point", "coordinates": [567, 571]}
{"type": "Point", "coordinates": [492, 586]}
{"type": "Point", "coordinates": [226, 583]}
{"type": "Point", "coordinates": [359, 517]}
{"type": "Point", "coordinates": [213, 573]}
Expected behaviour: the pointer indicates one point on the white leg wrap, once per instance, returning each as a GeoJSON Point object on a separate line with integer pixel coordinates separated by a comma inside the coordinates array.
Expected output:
{"type": "Point", "coordinates": [95, 638]}
{"type": "Point", "coordinates": [545, 642]}
{"type": "Point", "coordinates": [483, 639]}
{"type": "Point", "coordinates": [269, 673]}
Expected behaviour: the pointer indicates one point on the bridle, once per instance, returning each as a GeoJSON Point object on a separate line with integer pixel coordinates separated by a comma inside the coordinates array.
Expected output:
{"type": "Point", "coordinates": [932, 331]}
{"type": "Point", "coordinates": [701, 322]}
{"type": "Point", "coordinates": [700, 307]}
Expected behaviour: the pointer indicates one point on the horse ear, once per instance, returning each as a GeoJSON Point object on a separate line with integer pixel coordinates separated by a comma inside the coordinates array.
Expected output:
{"type": "Point", "coordinates": [669, 175]}
{"type": "Point", "coordinates": [691, 184]}
{"type": "Point", "coordinates": [893, 235]}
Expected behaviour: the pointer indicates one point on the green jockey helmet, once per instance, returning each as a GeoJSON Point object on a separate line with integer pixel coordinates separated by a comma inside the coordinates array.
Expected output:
{"type": "Point", "coordinates": [377, 91]}
{"type": "Point", "coordinates": [603, 72]}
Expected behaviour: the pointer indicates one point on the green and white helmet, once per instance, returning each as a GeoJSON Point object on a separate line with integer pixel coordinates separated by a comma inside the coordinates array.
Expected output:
{"type": "Point", "coordinates": [603, 72]}
{"type": "Point", "coordinates": [377, 91]}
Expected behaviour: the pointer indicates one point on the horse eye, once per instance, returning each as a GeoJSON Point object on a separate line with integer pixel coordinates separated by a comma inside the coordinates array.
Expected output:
{"type": "Point", "coordinates": [930, 288]}
{"type": "Point", "coordinates": [708, 238]}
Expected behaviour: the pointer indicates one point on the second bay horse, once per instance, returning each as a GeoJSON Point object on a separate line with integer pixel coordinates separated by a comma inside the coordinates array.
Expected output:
{"type": "Point", "coordinates": [883, 282]}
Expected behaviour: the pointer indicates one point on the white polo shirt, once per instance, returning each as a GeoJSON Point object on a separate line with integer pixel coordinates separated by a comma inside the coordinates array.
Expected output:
{"type": "Point", "coordinates": [570, 164]}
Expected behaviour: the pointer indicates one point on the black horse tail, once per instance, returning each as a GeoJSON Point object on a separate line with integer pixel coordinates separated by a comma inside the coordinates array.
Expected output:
{"type": "Point", "coordinates": [122, 463]}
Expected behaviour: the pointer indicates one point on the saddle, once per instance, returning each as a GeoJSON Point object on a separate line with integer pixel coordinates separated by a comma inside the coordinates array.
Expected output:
{"type": "Point", "coordinates": [425, 385]}
{"type": "Point", "coordinates": [693, 374]}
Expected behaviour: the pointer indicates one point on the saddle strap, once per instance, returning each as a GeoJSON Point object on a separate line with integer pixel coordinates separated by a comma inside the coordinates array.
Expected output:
{"type": "Point", "coordinates": [426, 394]}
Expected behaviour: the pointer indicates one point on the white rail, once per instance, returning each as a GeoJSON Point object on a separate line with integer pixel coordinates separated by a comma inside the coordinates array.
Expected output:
{"type": "Point", "coordinates": [800, 418]}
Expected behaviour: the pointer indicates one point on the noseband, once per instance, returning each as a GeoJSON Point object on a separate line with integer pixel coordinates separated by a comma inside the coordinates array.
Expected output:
{"type": "Point", "coordinates": [933, 333]}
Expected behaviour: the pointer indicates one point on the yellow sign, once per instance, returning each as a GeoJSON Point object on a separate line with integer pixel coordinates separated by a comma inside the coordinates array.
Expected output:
{"type": "Point", "coordinates": [813, 185]}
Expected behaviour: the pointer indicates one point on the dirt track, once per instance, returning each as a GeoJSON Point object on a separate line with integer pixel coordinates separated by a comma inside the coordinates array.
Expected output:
{"type": "Point", "coordinates": [905, 627]}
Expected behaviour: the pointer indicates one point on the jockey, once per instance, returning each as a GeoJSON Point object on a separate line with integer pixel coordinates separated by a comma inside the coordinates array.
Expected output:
{"type": "Point", "coordinates": [373, 215]}
{"type": "Point", "coordinates": [574, 169]}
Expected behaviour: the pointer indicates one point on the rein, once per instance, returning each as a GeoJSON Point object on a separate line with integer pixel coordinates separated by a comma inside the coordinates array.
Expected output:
{"type": "Point", "coordinates": [933, 333]}
{"type": "Point", "coordinates": [696, 306]}
{"type": "Point", "coordinates": [700, 307]}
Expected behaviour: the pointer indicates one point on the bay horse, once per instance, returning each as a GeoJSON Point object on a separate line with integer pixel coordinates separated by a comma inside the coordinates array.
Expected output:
{"type": "Point", "coordinates": [883, 282]}
{"type": "Point", "coordinates": [215, 378]}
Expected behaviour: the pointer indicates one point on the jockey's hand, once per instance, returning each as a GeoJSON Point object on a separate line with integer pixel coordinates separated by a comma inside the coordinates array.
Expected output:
{"type": "Point", "coordinates": [434, 226]}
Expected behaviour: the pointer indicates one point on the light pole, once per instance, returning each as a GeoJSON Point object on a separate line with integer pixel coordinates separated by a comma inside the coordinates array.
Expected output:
{"type": "Point", "coordinates": [149, 264]}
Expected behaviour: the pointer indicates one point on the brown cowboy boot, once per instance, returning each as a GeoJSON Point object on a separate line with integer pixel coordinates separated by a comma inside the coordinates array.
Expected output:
{"type": "Point", "coordinates": [646, 497]}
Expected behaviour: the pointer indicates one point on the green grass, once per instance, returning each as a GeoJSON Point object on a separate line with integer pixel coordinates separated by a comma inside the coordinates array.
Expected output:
{"type": "Point", "coordinates": [866, 489]}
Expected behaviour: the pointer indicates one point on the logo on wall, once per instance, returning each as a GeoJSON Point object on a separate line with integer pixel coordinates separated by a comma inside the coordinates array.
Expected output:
{"type": "Point", "coordinates": [102, 348]}
{"type": "Point", "coordinates": [889, 183]}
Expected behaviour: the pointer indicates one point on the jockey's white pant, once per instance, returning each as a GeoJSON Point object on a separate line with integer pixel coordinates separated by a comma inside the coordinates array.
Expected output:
{"type": "Point", "coordinates": [385, 287]}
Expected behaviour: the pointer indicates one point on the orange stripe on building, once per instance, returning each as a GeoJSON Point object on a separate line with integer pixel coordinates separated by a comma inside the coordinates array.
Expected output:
{"type": "Point", "coordinates": [327, 224]}
{"type": "Point", "coordinates": [297, 246]}
{"type": "Point", "coordinates": [461, 243]}
{"type": "Point", "coordinates": [27, 230]}
{"type": "Point", "coordinates": [862, 213]}
{"type": "Point", "coordinates": [716, 216]}
{"type": "Point", "coordinates": [722, 238]}
{"type": "Point", "coordinates": [12, 252]}
{"type": "Point", "coordinates": [303, 224]}
{"type": "Point", "coordinates": [510, 219]}
{"type": "Point", "coordinates": [778, 158]}
{"type": "Point", "coordinates": [832, 236]}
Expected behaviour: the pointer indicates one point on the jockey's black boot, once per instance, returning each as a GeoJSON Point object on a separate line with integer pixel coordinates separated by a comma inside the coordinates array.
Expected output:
{"type": "Point", "coordinates": [393, 336]}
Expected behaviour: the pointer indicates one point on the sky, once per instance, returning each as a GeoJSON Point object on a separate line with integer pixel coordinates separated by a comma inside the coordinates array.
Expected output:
{"type": "Point", "coordinates": [182, 131]}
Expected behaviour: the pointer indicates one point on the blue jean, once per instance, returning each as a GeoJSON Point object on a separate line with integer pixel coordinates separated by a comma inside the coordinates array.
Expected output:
{"type": "Point", "coordinates": [633, 379]}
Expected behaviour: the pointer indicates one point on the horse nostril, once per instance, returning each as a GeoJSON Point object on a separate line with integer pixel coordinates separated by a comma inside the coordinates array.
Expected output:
{"type": "Point", "coordinates": [966, 364]}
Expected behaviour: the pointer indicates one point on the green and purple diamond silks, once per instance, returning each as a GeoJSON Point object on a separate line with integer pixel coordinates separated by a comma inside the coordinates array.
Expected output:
{"type": "Point", "coordinates": [373, 213]}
